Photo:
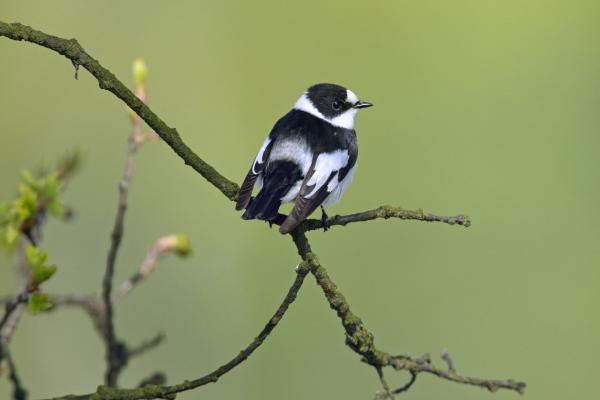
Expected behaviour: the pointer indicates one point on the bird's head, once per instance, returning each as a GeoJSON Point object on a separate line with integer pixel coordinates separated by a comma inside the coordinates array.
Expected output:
{"type": "Point", "coordinates": [332, 103]}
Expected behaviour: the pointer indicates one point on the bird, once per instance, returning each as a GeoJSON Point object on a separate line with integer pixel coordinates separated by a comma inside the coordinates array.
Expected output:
{"type": "Point", "coordinates": [308, 158]}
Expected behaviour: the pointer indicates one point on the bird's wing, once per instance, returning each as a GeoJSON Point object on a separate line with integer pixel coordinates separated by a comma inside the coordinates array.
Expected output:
{"type": "Point", "coordinates": [322, 178]}
{"type": "Point", "coordinates": [257, 168]}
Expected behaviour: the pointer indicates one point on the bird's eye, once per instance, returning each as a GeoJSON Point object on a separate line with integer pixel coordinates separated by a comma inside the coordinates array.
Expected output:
{"type": "Point", "coordinates": [336, 105]}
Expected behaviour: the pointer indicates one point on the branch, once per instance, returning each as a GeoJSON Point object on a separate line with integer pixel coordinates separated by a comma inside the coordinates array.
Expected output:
{"type": "Point", "coordinates": [19, 392]}
{"type": "Point", "coordinates": [157, 378]}
{"type": "Point", "coordinates": [177, 244]}
{"type": "Point", "coordinates": [116, 357]}
{"type": "Point", "coordinates": [358, 337]}
{"type": "Point", "coordinates": [387, 392]}
{"type": "Point", "coordinates": [168, 392]}
{"type": "Point", "coordinates": [10, 307]}
{"type": "Point", "coordinates": [72, 50]}
{"type": "Point", "coordinates": [95, 310]}
{"type": "Point", "coordinates": [361, 340]}
{"type": "Point", "coordinates": [386, 212]}
{"type": "Point", "coordinates": [145, 346]}
{"type": "Point", "coordinates": [89, 303]}
{"type": "Point", "coordinates": [14, 307]}
{"type": "Point", "coordinates": [424, 364]}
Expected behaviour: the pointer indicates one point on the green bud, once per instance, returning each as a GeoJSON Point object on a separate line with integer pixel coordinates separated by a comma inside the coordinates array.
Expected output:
{"type": "Point", "coordinates": [182, 245]}
{"type": "Point", "coordinates": [140, 71]}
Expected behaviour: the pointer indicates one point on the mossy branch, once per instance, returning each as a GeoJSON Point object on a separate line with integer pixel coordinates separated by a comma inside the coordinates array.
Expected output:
{"type": "Point", "coordinates": [358, 338]}
{"type": "Point", "coordinates": [71, 49]}
{"type": "Point", "coordinates": [386, 212]}
{"type": "Point", "coordinates": [169, 392]}
{"type": "Point", "coordinates": [361, 340]}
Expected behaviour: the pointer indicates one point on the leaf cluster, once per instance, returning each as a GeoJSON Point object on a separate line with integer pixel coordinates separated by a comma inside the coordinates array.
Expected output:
{"type": "Point", "coordinates": [40, 273]}
{"type": "Point", "coordinates": [37, 197]}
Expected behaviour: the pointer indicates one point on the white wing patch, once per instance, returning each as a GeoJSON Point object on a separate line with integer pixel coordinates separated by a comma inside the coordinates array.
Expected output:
{"type": "Point", "coordinates": [326, 164]}
{"type": "Point", "coordinates": [260, 155]}
{"type": "Point", "coordinates": [339, 190]}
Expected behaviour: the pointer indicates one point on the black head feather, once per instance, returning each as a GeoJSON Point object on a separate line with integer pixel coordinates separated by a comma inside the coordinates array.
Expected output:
{"type": "Point", "coordinates": [330, 99]}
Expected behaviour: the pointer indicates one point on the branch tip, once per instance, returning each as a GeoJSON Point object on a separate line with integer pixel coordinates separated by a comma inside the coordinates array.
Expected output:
{"type": "Point", "coordinates": [358, 337]}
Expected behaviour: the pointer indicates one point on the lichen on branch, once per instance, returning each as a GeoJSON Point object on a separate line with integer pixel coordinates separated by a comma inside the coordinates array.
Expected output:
{"type": "Point", "coordinates": [71, 49]}
{"type": "Point", "coordinates": [362, 341]}
{"type": "Point", "coordinates": [359, 338]}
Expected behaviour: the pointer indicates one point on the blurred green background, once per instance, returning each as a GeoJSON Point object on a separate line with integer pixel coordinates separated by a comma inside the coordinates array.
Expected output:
{"type": "Point", "coordinates": [488, 108]}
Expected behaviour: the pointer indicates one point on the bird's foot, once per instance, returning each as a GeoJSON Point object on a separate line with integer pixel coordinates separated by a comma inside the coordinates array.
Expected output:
{"type": "Point", "coordinates": [325, 220]}
{"type": "Point", "coordinates": [276, 220]}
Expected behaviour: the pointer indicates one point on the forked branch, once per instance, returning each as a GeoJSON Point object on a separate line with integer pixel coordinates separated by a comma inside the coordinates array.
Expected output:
{"type": "Point", "coordinates": [358, 338]}
{"type": "Point", "coordinates": [362, 341]}
{"type": "Point", "coordinates": [169, 392]}
{"type": "Point", "coordinates": [386, 212]}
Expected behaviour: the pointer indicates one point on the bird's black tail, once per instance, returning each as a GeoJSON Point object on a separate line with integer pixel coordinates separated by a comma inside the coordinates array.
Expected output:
{"type": "Point", "coordinates": [278, 179]}
{"type": "Point", "coordinates": [264, 206]}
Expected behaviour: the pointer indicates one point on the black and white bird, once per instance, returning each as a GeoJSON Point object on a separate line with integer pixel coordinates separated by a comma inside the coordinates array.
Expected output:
{"type": "Point", "coordinates": [308, 158]}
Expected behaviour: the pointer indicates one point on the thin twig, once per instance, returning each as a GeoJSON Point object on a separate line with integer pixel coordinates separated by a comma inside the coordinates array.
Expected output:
{"type": "Point", "coordinates": [492, 385]}
{"type": "Point", "coordinates": [413, 378]}
{"type": "Point", "coordinates": [386, 212]}
{"type": "Point", "coordinates": [387, 393]}
{"type": "Point", "coordinates": [159, 249]}
{"type": "Point", "coordinates": [146, 345]}
{"type": "Point", "coordinates": [89, 303]}
{"type": "Point", "coordinates": [22, 266]}
{"type": "Point", "coordinates": [168, 392]}
{"type": "Point", "coordinates": [115, 350]}
{"type": "Point", "coordinates": [9, 308]}
{"type": "Point", "coordinates": [11, 323]}
{"type": "Point", "coordinates": [14, 307]}
{"type": "Point", "coordinates": [449, 362]}
{"type": "Point", "coordinates": [358, 337]}
{"type": "Point", "coordinates": [157, 378]}
{"type": "Point", "coordinates": [72, 50]}
{"type": "Point", "coordinates": [19, 392]}
{"type": "Point", "coordinates": [361, 340]}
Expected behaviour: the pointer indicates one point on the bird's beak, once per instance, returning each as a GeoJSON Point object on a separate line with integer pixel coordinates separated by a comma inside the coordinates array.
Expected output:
{"type": "Point", "coordinates": [362, 104]}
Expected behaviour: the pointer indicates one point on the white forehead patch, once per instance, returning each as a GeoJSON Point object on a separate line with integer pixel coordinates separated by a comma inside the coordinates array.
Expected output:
{"type": "Point", "coordinates": [351, 97]}
{"type": "Point", "coordinates": [345, 120]}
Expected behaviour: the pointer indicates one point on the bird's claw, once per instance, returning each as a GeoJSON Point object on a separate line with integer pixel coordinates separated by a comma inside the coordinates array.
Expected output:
{"type": "Point", "coordinates": [325, 220]}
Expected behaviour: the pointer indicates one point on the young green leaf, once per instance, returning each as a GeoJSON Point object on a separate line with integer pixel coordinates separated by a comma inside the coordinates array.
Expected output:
{"type": "Point", "coordinates": [38, 196]}
{"type": "Point", "coordinates": [36, 259]}
{"type": "Point", "coordinates": [38, 302]}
